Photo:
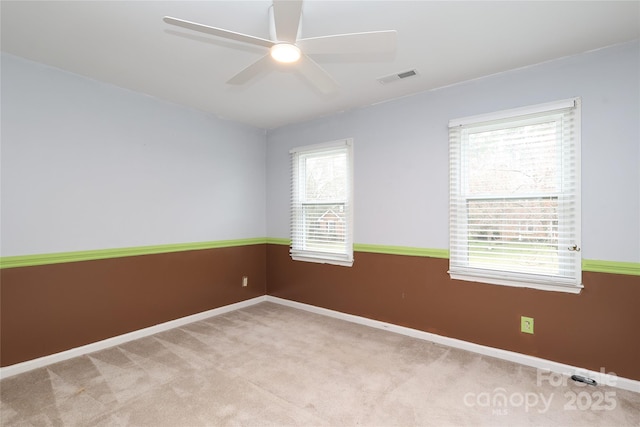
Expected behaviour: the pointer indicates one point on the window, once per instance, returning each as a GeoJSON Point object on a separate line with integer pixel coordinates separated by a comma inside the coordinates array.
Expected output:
{"type": "Point", "coordinates": [514, 197]}
{"type": "Point", "coordinates": [321, 203]}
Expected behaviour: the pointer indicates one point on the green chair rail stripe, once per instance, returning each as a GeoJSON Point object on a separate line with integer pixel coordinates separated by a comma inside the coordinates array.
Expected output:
{"type": "Point", "coordinates": [613, 267]}
{"type": "Point", "coordinates": [278, 241]}
{"type": "Point", "coordinates": [401, 250]}
{"type": "Point", "coordinates": [62, 257]}
{"type": "Point", "coordinates": [596, 266]}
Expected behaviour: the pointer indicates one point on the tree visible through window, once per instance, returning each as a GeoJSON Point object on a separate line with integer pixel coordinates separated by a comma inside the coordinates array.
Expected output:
{"type": "Point", "coordinates": [514, 198]}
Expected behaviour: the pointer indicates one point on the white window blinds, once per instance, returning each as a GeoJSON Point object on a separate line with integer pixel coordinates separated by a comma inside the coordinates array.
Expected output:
{"type": "Point", "coordinates": [321, 203]}
{"type": "Point", "coordinates": [514, 197]}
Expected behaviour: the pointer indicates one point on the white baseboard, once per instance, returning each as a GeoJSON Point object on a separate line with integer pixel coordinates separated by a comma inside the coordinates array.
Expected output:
{"type": "Point", "coordinates": [542, 364]}
{"type": "Point", "coordinates": [535, 362]}
{"type": "Point", "coordinates": [19, 368]}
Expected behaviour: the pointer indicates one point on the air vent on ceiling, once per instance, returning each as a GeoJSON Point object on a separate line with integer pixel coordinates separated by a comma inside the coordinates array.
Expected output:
{"type": "Point", "coordinates": [397, 76]}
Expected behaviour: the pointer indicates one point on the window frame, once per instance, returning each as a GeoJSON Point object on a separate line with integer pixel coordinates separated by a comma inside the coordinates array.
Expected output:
{"type": "Point", "coordinates": [297, 250]}
{"type": "Point", "coordinates": [459, 263]}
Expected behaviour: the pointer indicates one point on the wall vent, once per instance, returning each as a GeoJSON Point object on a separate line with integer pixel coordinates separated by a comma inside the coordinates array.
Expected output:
{"type": "Point", "coordinates": [397, 76]}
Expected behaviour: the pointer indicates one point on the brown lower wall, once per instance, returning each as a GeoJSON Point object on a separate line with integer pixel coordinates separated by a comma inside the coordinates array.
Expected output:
{"type": "Point", "coordinates": [51, 308]}
{"type": "Point", "coordinates": [596, 329]}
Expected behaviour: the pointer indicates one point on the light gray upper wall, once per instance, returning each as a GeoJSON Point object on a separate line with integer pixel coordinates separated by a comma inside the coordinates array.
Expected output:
{"type": "Point", "coordinates": [86, 165]}
{"type": "Point", "coordinates": [401, 152]}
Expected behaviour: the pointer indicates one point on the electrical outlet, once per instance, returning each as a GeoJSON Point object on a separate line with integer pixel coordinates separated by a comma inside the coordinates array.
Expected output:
{"type": "Point", "coordinates": [526, 324]}
{"type": "Point", "coordinates": [245, 281]}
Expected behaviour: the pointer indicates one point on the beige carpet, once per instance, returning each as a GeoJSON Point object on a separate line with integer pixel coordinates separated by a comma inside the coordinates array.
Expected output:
{"type": "Point", "coordinates": [273, 365]}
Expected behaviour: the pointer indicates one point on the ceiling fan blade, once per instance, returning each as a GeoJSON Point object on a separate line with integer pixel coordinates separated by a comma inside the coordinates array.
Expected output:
{"type": "Point", "coordinates": [316, 75]}
{"type": "Point", "coordinates": [219, 32]}
{"type": "Point", "coordinates": [370, 42]}
{"type": "Point", "coordinates": [286, 14]}
{"type": "Point", "coordinates": [260, 66]}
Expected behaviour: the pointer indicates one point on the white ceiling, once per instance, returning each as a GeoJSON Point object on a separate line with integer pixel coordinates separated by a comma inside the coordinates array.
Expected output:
{"type": "Point", "coordinates": [127, 44]}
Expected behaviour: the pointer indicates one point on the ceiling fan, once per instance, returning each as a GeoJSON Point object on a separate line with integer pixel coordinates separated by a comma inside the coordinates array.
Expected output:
{"type": "Point", "coordinates": [287, 48]}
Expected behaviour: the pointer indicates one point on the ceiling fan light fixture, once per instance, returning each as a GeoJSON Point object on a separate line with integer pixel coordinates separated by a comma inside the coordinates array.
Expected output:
{"type": "Point", "coordinates": [285, 52]}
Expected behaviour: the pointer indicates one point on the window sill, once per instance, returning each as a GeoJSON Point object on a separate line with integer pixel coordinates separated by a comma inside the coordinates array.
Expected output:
{"type": "Point", "coordinates": [571, 289]}
{"type": "Point", "coordinates": [322, 260]}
